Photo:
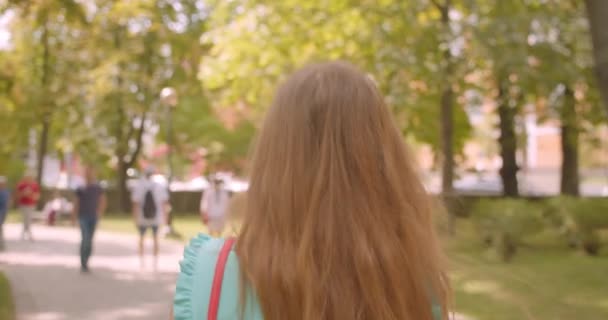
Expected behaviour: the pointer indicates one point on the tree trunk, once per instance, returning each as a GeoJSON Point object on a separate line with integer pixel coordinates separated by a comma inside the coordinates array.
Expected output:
{"type": "Point", "coordinates": [569, 142]}
{"type": "Point", "coordinates": [446, 120]}
{"type": "Point", "coordinates": [122, 142]}
{"type": "Point", "coordinates": [46, 112]}
{"type": "Point", "coordinates": [447, 145]}
{"type": "Point", "coordinates": [42, 148]}
{"type": "Point", "coordinates": [508, 144]}
{"type": "Point", "coordinates": [447, 136]}
{"type": "Point", "coordinates": [124, 199]}
{"type": "Point", "coordinates": [597, 11]}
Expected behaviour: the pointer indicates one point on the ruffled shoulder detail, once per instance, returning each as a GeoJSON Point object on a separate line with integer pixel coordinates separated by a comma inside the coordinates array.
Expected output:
{"type": "Point", "coordinates": [182, 302]}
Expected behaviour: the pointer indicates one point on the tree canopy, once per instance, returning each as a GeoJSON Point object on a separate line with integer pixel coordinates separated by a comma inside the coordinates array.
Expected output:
{"type": "Point", "coordinates": [85, 76]}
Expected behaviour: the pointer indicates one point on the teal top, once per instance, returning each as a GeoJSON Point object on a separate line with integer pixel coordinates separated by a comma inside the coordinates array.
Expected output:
{"type": "Point", "coordinates": [194, 282]}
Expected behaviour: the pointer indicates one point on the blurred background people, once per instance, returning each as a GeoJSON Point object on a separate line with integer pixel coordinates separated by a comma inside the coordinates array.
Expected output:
{"type": "Point", "coordinates": [214, 204]}
{"type": "Point", "coordinates": [28, 193]}
{"type": "Point", "coordinates": [149, 206]}
{"type": "Point", "coordinates": [4, 204]}
{"type": "Point", "coordinates": [89, 206]}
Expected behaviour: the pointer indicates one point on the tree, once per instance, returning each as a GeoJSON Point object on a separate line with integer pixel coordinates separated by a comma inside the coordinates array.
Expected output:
{"type": "Point", "coordinates": [255, 43]}
{"type": "Point", "coordinates": [396, 42]}
{"type": "Point", "coordinates": [511, 75]}
{"type": "Point", "coordinates": [143, 52]}
{"type": "Point", "coordinates": [99, 68]}
{"type": "Point", "coordinates": [446, 118]}
{"type": "Point", "coordinates": [511, 80]}
{"type": "Point", "coordinates": [11, 120]}
{"type": "Point", "coordinates": [597, 11]}
{"type": "Point", "coordinates": [523, 62]}
{"type": "Point", "coordinates": [569, 182]}
{"type": "Point", "coordinates": [44, 81]}
{"type": "Point", "coordinates": [558, 41]}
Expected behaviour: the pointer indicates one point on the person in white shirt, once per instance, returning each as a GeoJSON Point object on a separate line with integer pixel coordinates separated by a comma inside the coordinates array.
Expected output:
{"type": "Point", "coordinates": [150, 201]}
{"type": "Point", "coordinates": [214, 205]}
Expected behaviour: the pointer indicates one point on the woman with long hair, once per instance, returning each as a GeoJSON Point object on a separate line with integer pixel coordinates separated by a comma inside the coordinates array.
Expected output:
{"type": "Point", "coordinates": [337, 223]}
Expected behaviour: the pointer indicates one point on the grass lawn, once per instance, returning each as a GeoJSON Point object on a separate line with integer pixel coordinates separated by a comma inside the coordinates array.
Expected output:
{"type": "Point", "coordinates": [187, 226]}
{"type": "Point", "coordinates": [7, 307]}
{"type": "Point", "coordinates": [545, 280]}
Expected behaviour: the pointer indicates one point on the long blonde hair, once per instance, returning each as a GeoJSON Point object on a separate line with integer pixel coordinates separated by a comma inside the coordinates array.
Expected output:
{"type": "Point", "coordinates": [337, 223]}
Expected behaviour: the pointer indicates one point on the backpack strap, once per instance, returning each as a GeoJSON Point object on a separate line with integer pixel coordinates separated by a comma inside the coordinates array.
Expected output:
{"type": "Point", "coordinates": [216, 288]}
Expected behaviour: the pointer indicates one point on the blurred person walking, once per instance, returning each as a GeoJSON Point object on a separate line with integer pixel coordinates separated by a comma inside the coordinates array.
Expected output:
{"type": "Point", "coordinates": [214, 205]}
{"type": "Point", "coordinates": [89, 206]}
{"type": "Point", "coordinates": [150, 201]}
{"type": "Point", "coordinates": [4, 205]}
{"type": "Point", "coordinates": [337, 223]}
{"type": "Point", "coordinates": [28, 193]}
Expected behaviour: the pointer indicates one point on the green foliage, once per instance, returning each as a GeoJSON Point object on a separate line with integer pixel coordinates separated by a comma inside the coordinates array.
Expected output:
{"type": "Point", "coordinates": [505, 223]}
{"type": "Point", "coordinates": [254, 44]}
{"type": "Point", "coordinates": [97, 76]}
{"type": "Point", "coordinates": [580, 220]}
{"type": "Point", "coordinates": [13, 137]}
{"type": "Point", "coordinates": [94, 69]}
{"type": "Point", "coordinates": [518, 218]}
{"type": "Point", "coordinates": [597, 10]}
{"type": "Point", "coordinates": [590, 214]}
{"type": "Point", "coordinates": [38, 73]}
{"type": "Point", "coordinates": [585, 214]}
{"type": "Point", "coordinates": [7, 305]}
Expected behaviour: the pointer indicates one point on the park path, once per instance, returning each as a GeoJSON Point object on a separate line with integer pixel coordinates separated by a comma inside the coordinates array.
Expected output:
{"type": "Point", "coordinates": [47, 283]}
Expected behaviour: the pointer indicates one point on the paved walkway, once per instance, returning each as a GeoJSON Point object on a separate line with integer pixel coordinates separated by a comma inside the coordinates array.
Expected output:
{"type": "Point", "coordinates": [47, 283]}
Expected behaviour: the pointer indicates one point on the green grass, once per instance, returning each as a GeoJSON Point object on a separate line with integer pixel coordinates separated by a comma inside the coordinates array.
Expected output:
{"type": "Point", "coordinates": [545, 280]}
{"type": "Point", "coordinates": [187, 226]}
{"type": "Point", "coordinates": [7, 306]}
{"type": "Point", "coordinates": [13, 216]}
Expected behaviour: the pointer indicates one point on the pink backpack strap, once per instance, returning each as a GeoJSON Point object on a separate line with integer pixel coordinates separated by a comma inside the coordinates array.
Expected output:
{"type": "Point", "coordinates": [216, 288]}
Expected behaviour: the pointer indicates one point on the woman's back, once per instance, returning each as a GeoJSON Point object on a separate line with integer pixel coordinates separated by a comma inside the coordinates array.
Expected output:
{"type": "Point", "coordinates": [337, 223]}
{"type": "Point", "coordinates": [195, 282]}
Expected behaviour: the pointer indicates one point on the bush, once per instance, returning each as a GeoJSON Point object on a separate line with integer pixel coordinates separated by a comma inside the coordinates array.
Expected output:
{"type": "Point", "coordinates": [505, 223]}
{"type": "Point", "coordinates": [590, 214]}
{"type": "Point", "coordinates": [557, 214]}
{"type": "Point", "coordinates": [7, 306]}
{"type": "Point", "coordinates": [580, 220]}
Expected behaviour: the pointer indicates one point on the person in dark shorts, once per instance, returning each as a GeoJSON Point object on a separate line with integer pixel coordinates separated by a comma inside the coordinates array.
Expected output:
{"type": "Point", "coordinates": [150, 200]}
{"type": "Point", "coordinates": [89, 205]}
